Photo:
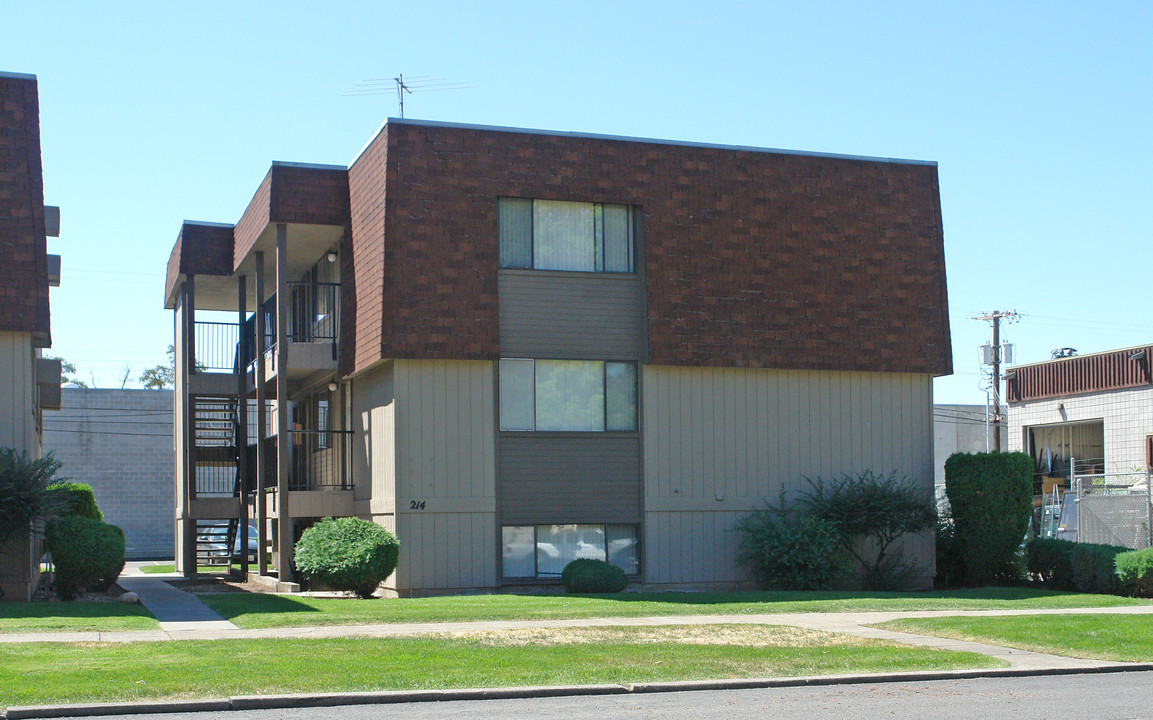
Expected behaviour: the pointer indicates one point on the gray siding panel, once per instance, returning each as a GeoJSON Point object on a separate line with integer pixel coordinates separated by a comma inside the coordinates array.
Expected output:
{"type": "Point", "coordinates": [575, 316]}
{"type": "Point", "coordinates": [569, 479]}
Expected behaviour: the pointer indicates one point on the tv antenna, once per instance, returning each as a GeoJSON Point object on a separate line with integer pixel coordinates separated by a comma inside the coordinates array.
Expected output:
{"type": "Point", "coordinates": [413, 84]}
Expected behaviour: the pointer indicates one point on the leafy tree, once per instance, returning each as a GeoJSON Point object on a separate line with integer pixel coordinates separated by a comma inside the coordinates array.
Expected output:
{"type": "Point", "coordinates": [68, 372]}
{"type": "Point", "coordinates": [161, 377]}
{"type": "Point", "coordinates": [872, 512]}
{"type": "Point", "coordinates": [26, 494]}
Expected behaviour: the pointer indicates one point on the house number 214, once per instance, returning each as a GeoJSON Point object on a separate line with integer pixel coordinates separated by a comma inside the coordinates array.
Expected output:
{"type": "Point", "coordinates": [416, 504]}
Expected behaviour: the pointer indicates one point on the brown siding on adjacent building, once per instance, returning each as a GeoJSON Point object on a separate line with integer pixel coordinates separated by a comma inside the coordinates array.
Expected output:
{"type": "Point", "coordinates": [1079, 375]}
{"type": "Point", "coordinates": [200, 249]}
{"type": "Point", "coordinates": [23, 246]}
{"type": "Point", "coordinates": [548, 478]}
{"type": "Point", "coordinates": [572, 316]}
{"type": "Point", "coordinates": [312, 195]}
{"type": "Point", "coordinates": [253, 221]}
{"type": "Point", "coordinates": [752, 258]}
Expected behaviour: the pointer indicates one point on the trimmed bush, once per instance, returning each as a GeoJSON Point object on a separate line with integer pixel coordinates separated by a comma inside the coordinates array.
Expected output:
{"type": "Point", "coordinates": [790, 550]}
{"type": "Point", "coordinates": [593, 576]}
{"type": "Point", "coordinates": [77, 499]}
{"type": "Point", "coordinates": [871, 513]}
{"type": "Point", "coordinates": [1084, 567]}
{"type": "Point", "coordinates": [87, 554]}
{"type": "Point", "coordinates": [991, 498]}
{"type": "Point", "coordinates": [1135, 572]}
{"type": "Point", "coordinates": [347, 554]}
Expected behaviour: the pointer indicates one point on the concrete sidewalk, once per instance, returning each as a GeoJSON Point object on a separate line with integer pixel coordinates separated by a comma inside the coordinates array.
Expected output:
{"type": "Point", "coordinates": [175, 610]}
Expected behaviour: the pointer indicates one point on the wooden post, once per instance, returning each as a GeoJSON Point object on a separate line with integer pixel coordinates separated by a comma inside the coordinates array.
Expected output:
{"type": "Point", "coordinates": [261, 424]}
{"type": "Point", "coordinates": [242, 424]}
{"type": "Point", "coordinates": [283, 440]}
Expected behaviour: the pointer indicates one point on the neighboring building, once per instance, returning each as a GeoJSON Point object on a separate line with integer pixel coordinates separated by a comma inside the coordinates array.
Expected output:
{"type": "Point", "coordinates": [958, 428]}
{"type": "Point", "coordinates": [1089, 417]}
{"type": "Point", "coordinates": [120, 443]}
{"type": "Point", "coordinates": [516, 347]}
{"type": "Point", "coordinates": [29, 384]}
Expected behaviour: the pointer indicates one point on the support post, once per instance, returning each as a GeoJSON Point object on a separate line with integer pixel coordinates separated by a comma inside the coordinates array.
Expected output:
{"type": "Point", "coordinates": [261, 424]}
{"type": "Point", "coordinates": [186, 368]}
{"type": "Point", "coordinates": [283, 439]}
{"type": "Point", "coordinates": [242, 425]}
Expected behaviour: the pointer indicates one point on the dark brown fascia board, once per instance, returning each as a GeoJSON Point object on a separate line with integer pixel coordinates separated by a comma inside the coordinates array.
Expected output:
{"type": "Point", "coordinates": [202, 248]}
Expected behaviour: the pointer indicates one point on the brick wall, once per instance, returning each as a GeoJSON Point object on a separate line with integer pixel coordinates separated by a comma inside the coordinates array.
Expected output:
{"type": "Point", "coordinates": [23, 248]}
{"type": "Point", "coordinates": [752, 259]}
{"type": "Point", "coordinates": [120, 443]}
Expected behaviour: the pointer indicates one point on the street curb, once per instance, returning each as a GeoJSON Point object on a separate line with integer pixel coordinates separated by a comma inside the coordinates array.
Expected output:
{"type": "Point", "coordinates": [273, 702]}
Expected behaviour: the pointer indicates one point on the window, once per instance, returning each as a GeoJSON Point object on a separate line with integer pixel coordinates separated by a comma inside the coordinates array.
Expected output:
{"type": "Point", "coordinates": [567, 395]}
{"type": "Point", "coordinates": [542, 551]}
{"type": "Point", "coordinates": [558, 235]}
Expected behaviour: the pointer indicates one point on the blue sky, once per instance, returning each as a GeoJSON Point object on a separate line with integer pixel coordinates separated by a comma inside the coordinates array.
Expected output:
{"type": "Point", "coordinates": [1037, 114]}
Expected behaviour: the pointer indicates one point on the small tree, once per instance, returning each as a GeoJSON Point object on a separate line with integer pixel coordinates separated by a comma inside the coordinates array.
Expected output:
{"type": "Point", "coordinates": [872, 512]}
{"type": "Point", "coordinates": [160, 377]}
{"type": "Point", "coordinates": [25, 491]}
{"type": "Point", "coordinates": [68, 372]}
{"type": "Point", "coordinates": [991, 496]}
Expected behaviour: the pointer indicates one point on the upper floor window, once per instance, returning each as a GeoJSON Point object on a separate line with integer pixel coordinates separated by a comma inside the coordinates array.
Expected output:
{"type": "Point", "coordinates": [567, 395]}
{"type": "Point", "coordinates": [558, 235]}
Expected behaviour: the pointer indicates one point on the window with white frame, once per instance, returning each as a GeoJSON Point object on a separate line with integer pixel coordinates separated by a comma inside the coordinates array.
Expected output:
{"type": "Point", "coordinates": [542, 551]}
{"type": "Point", "coordinates": [567, 395]}
{"type": "Point", "coordinates": [560, 235]}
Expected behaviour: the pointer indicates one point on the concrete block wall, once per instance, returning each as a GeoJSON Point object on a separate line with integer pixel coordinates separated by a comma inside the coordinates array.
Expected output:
{"type": "Point", "coordinates": [1127, 416]}
{"type": "Point", "coordinates": [120, 443]}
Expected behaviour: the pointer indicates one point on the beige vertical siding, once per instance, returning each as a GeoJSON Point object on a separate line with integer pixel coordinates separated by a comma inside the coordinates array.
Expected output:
{"type": "Point", "coordinates": [17, 388]}
{"type": "Point", "coordinates": [718, 442]}
{"type": "Point", "coordinates": [427, 435]}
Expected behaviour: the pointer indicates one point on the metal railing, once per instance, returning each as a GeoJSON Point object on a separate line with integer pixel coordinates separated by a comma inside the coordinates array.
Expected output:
{"type": "Point", "coordinates": [313, 312]}
{"type": "Point", "coordinates": [321, 460]}
{"type": "Point", "coordinates": [215, 347]}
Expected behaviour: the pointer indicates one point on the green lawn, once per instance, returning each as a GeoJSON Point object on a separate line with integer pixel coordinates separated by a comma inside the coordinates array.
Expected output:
{"type": "Point", "coordinates": [198, 669]}
{"type": "Point", "coordinates": [1103, 637]}
{"type": "Point", "coordinates": [152, 569]}
{"type": "Point", "coordinates": [74, 616]}
{"type": "Point", "coordinates": [261, 611]}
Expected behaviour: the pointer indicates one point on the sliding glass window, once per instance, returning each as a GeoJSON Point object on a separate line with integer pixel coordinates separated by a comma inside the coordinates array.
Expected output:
{"type": "Point", "coordinates": [568, 236]}
{"type": "Point", "coordinates": [567, 395]}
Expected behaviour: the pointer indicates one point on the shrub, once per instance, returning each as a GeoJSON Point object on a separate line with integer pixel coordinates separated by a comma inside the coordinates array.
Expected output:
{"type": "Point", "coordinates": [950, 564]}
{"type": "Point", "coordinates": [1135, 572]}
{"type": "Point", "coordinates": [593, 576]}
{"type": "Point", "coordinates": [991, 496]}
{"type": "Point", "coordinates": [871, 512]}
{"type": "Point", "coordinates": [88, 554]}
{"type": "Point", "coordinates": [347, 554]}
{"type": "Point", "coordinates": [77, 499]}
{"type": "Point", "coordinates": [1048, 561]}
{"type": "Point", "coordinates": [1095, 568]}
{"type": "Point", "coordinates": [1066, 565]}
{"type": "Point", "coordinates": [791, 550]}
{"type": "Point", "coordinates": [24, 494]}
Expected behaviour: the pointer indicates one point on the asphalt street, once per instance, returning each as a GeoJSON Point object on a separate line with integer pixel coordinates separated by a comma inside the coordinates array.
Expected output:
{"type": "Point", "coordinates": [1105, 696]}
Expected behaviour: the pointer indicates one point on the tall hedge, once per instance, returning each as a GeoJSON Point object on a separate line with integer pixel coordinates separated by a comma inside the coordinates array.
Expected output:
{"type": "Point", "coordinates": [991, 497]}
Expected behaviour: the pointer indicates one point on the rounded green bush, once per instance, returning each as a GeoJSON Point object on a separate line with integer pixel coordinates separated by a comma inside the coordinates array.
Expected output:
{"type": "Point", "coordinates": [78, 499]}
{"type": "Point", "coordinates": [347, 554]}
{"type": "Point", "coordinates": [593, 576]}
{"type": "Point", "coordinates": [792, 551]}
{"type": "Point", "coordinates": [1135, 572]}
{"type": "Point", "coordinates": [87, 554]}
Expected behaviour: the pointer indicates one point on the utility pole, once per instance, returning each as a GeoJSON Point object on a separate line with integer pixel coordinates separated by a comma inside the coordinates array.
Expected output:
{"type": "Point", "coordinates": [995, 317]}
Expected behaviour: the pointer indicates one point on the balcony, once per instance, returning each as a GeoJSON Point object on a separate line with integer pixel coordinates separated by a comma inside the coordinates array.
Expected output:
{"type": "Point", "coordinates": [313, 329]}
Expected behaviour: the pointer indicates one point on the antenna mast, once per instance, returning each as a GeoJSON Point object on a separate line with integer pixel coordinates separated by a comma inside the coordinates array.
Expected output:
{"type": "Point", "coordinates": [401, 88]}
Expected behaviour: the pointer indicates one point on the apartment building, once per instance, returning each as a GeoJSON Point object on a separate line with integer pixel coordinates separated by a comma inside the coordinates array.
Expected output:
{"type": "Point", "coordinates": [515, 348]}
{"type": "Point", "coordinates": [29, 383]}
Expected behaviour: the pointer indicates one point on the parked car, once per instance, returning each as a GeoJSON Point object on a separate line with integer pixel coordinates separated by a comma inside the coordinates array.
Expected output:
{"type": "Point", "coordinates": [212, 542]}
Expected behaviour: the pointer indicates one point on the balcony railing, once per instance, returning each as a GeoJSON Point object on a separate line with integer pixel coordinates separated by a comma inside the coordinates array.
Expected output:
{"type": "Point", "coordinates": [215, 346]}
{"type": "Point", "coordinates": [313, 312]}
{"type": "Point", "coordinates": [321, 460]}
